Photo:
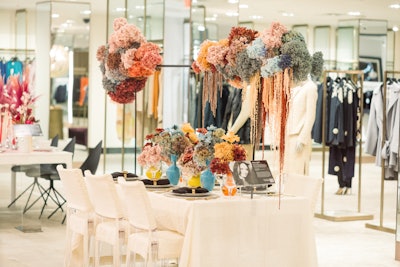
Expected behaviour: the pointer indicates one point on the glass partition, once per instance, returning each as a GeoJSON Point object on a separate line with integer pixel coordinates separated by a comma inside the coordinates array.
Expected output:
{"type": "Point", "coordinates": [346, 48]}
{"type": "Point", "coordinates": [62, 57]}
{"type": "Point", "coordinates": [362, 45]}
{"type": "Point", "coordinates": [322, 43]}
{"type": "Point", "coordinates": [303, 29]}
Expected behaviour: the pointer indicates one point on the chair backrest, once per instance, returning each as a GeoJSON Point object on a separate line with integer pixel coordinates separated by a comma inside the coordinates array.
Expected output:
{"type": "Point", "coordinates": [103, 195]}
{"type": "Point", "coordinates": [92, 161]}
{"type": "Point", "coordinates": [139, 212]}
{"type": "Point", "coordinates": [75, 188]}
{"type": "Point", "coordinates": [306, 186]}
{"type": "Point", "coordinates": [54, 141]}
{"type": "Point", "coordinates": [51, 169]}
{"type": "Point", "coordinates": [70, 147]}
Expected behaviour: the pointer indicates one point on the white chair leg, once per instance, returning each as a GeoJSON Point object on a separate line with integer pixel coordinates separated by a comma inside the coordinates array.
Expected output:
{"type": "Point", "coordinates": [86, 250]}
{"type": "Point", "coordinates": [116, 254]}
{"type": "Point", "coordinates": [68, 252]}
{"type": "Point", "coordinates": [96, 253]}
{"type": "Point", "coordinates": [128, 258]}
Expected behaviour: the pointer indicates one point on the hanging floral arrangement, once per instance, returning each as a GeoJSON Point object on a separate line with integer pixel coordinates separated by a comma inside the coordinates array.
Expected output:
{"type": "Point", "coordinates": [267, 63]}
{"type": "Point", "coordinates": [126, 61]}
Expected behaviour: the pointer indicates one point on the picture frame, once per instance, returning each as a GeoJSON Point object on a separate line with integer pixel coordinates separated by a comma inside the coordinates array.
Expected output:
{"type": "Point", "coordinates": [372, 68]}
{"type": "Point", "coordinates": [251, 173]}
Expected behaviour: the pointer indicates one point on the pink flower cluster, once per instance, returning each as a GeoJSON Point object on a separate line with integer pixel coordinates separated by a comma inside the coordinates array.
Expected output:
{"type": "Point", "coordinates": [127, 56]}
{"type": "Point", "coordinates": [272, 36]}
{"type": "Point", "coordinates": [150, 156]}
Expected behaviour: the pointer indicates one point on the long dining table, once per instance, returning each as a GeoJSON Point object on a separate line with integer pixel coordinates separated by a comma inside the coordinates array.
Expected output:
{"type": "Point", "coordinates": [239, 231]}
{"type": "Point", "coordinates": [40, 156]}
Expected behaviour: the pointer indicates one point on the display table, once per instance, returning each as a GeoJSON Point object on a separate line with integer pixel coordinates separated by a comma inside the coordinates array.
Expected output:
{"type": "Point", "coordinates": [14, 157]}
{"type": "Point", "coordinates": [240, 231]}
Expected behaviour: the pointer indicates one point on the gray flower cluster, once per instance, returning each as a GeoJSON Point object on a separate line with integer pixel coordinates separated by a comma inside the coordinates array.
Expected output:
{"type": "Point", "coordinates": [301, 59]}
{"type": "Point", "coordinates": [246, 66]}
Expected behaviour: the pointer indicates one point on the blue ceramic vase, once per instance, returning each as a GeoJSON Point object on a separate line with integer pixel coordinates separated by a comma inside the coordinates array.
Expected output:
{"type": "Point", "coordinates": [207, 178]}
{"type": "Point", "coordinates": [173, 173]}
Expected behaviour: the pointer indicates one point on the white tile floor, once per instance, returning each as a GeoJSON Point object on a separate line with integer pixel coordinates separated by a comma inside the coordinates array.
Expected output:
{"type": "Point", "coordinates": [348, 243]}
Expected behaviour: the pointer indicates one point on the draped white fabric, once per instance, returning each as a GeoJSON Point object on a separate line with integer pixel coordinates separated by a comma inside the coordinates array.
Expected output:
{"type": "Point", "coordinates": [240, 231]}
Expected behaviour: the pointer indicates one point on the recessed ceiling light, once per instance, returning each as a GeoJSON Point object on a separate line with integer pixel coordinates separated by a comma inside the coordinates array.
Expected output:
{"type": "Point", "coordinates": [256, 17]}
{"type": "Point", "coordinates": [55, 15]}
{"type": "Point", "coordinates": [243, 6]}
{"type": "Point", "coordinates": [354, 13]}
{"type": "Point", "coordinates": [232, 14]}
{"type": "Point", "coordinates": [334, 14]}
{"type": "Point", "coordinates": [395, 6]}
{"type": "Point", "coordinates": [86, 12]}
{"type": "Point", "coordinates": [233, 1]}
{"type": "Point", "coordinates": [287, 14]}
{"type": "Point", "coordinates": [211, 18]}
{"type": "Point", "coordinates": [395, 28]}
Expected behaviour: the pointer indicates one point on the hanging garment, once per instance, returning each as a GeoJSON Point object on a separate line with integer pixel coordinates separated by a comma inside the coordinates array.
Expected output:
{"type": "Point", "coordinates": [60, 95]}
{"type": "Point", "coordinates": [341, 122]}
{"type": "Point", "coordinates": [341, 164]}
{"type": "Point", "coordinates": [375, 126]}
{"type": "Point", "coordinates": [222, 101]}
{"type": "Point", "coordinates": [14, 67]}
{"type": "Point", "coordinates": [388, 150]}
{"type": "Point", "coordinates": [83, 84]}
{"type": "Point", "coordinates": [232, 111]}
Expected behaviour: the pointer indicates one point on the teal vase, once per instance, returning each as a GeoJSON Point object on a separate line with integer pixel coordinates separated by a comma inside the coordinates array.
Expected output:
{"type": "Point", "coordinates": [173, 173]}
{"type": "Point", "coordinates": [207, 178]}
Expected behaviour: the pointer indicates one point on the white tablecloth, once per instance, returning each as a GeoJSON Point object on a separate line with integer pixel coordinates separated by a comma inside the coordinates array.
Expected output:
{"type": "Point", "coordinates": [240, 231]}
{"type": "Point", "coordinates": [14, 157]}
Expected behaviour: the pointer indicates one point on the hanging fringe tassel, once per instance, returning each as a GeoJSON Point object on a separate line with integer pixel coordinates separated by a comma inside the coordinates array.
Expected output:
{"type": "Point", "coordinates": [255, 87]}
{"type": "Point", "coordinates": [212, 88]}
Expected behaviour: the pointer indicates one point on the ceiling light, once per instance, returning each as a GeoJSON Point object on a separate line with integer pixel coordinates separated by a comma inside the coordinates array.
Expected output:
{"type": "Point", "coordinates": [287, 14]}
{"type": "Point", "coordinates": [255, 17]}
{"type": "Point", "coordinates": [201, 28]}
{"type": "Point", "coordinates": [55, 15]}
{"type": "Point", "coordinates": [354, 13]}
{"type": "Point", "coordinates": [233, 1]}
{"type": "Point", "coordinates": [211, 18]}
{"type": "Point", "coordinates": [86, 12]}
{"type": "Point", "coordinates": [120, 9]}
{"type": "Point", "coordinates": [243, 6]}
{"type": "Point", "coordinates": [395, 6]}
{"type": "Point", "coordinates": [395, 28]}
{"type": "Point", "coordinates": [232, 14]}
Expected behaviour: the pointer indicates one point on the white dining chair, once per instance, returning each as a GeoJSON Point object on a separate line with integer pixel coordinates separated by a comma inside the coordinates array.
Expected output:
{"type": "Point", "coordinates": [111, 225]}
{"type": "Point", "coordinates": [305, 186]}
{"type": "Point", "coordinates": [146, 240]}
{"type": "Point", "coordinates": [80, 212]}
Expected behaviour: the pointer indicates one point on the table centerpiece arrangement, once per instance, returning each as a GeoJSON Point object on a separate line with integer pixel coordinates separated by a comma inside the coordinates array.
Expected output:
{"type": "Point", "coordinates": [225, 152]}
{"type": "Point", "coordinates": [17, 103]}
